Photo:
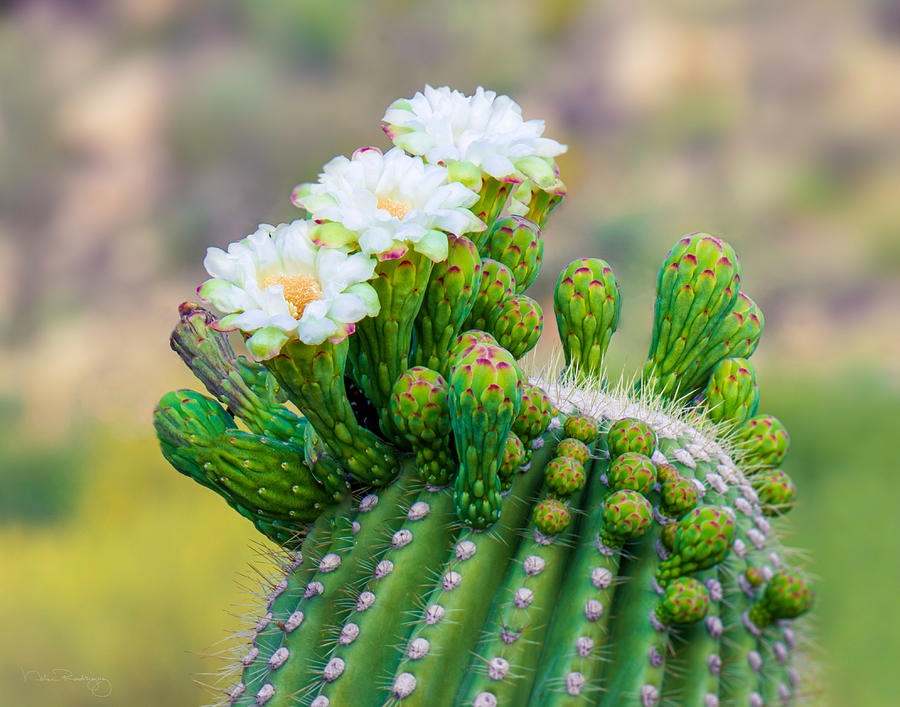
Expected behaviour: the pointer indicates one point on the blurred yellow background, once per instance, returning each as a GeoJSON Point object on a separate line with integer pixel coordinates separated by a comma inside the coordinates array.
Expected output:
{"type": "Point", "coordinates": [133, 134]}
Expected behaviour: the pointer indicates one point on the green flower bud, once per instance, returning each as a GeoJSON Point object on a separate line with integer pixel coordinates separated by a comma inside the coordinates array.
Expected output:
{"type": "Point", "coordinates": [685, 602]}
{"type": "Point", "coordinates": [632, 471]}
{"type": "Point", "coordinates": [496, 286]}
{"type": "Point", "coordinates": [517, 324]}
{"type": "Point", "coordinates": [702, 539]}
{"type": "Point", "coordinates": [630, 435]}
{"type": "Point", "coordinates": [581, 427]}
{"type": "Point", "coordinates": [551, 516]}
{"type": "Point", "coordinates": [626, 516]}
{"type": "Point", "coordinates": [776, 491]}
{"type": "Point", "coordinates": [677, 496]}
{"type": "Point", "coordinates": [448, 300]}
{"type": "Point", "coordinates": [513, 459]}
{"type": "Point", "coordinates": [485, 393]}
{"type": "Point", "coordinates": [667, 536]}
{"type": "Point", "coordinates": [516, 242]}
{"type": "Point", "coordinates": [574, 448]}
{"type": "Point", "coordinates": [564, 476]}
{"type": "Point", "coordinates": [697, 289]}
{"type": "Point", "coordinates": [763, 441]}
{"type": "Point", "coordinates": [534, 415]}
{"type": "Point", "coordinates": [666, 472]}
{"type": "Point", "coordinates": [787, 596]}
{"type": "Point", "coordinates": [754, 577]}
{"type": "Point", "coordinates": [586, 303]}
{"type": "Point", "coordinates": [422, 415]}
{"type": "Point", "coordinates": [732, 394]}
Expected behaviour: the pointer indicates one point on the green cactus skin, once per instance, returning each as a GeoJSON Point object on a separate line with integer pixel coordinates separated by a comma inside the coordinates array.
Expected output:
{"type": "Point", "coordinates": [483, 573]}
{"type": "Point", "coordinates": [517, 324]}
{"type": "Point", "coordinates": [492, 197]}
{"type": "Point", "coordinates": [496, 285]}
{"type": "Point", "coordinates": [382, 344]}
{"type": "Point", "coordinates": [313, 378]}
{"type": "Point", "coordinates": [630, 435]}
{"type": "Point", "coordinates": [485, 394]}
{"type": "Point", "coordinates": [732, 393]}
{"type": "Point", "coordinates": [776, 491]}
{"type": "Point", "coordinates": [449, 298]}
{"type": "Point", "coordinates": [763, 440]}
{"type": "Point", "coordinates": [421, 413]}
{"type": "Point", "coordinates": [587, 305]}
{"type": "Point", "coordinates": [516, 242]}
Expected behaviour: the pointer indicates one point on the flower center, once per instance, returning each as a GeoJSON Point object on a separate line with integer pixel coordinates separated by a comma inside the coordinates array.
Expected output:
{"type": "Point", "coordinates": [395, 208]}
{"type": "Point", "coordinates": [299, 291]}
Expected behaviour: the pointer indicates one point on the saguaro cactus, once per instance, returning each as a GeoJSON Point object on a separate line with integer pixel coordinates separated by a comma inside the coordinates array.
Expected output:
{"type": "Point", "coordinates": [458, 530]}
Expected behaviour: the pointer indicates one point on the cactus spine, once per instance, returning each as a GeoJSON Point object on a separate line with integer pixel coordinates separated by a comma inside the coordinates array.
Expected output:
{"type": "Point", "coordinates": [459, 532]}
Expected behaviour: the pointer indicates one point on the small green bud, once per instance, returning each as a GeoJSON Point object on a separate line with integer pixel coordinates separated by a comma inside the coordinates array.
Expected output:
{"type": "Point", "coordinates": [586, 303]}
{"type": "Point", "coordinates": [666, 472]}
{"type": "Point", "coordinates": [685, 602]}
{"type": "Point", "coordinates": [581, 427]}
{"type": "Point", "coordinates": [630, 435]}
{"type": "Point", "coordinates": [534, 415]}
{"type": "Point", "coordinates": [517, 324]}
{"type": "Point", "coordinates": [776, 491]}
{"type": "Point", "coordinates": [754, 577]}
{"type": "Point", "coordinates": [626, 516]}
{"type": "Point", "coordinates": [677, 496]}
{"type": "Point", "coordinates": [516, 242]}
{"type": "Point", "coordinates": [763, 441]}
{"type": "Point", "coordinates": [787, 596]}
{"type": "Point", "coordinates": [496, 285]}
{"type": "Point", "coordinates": [564, 476]}
{"type": "Point", "coordinates": [732, 393]}
{"type": "Point", "coordinates": [513, 459]}
{"type": "Point", "coordinates": [632, 471]}
{"type": "Point", "coordinates": [551, 516]}
{"type": "Point", "coordinates": [576, 449]}
{"type": "Point", "coordinates": [667, 536]}
{"type": "Point", "coordinates": [702, 539]}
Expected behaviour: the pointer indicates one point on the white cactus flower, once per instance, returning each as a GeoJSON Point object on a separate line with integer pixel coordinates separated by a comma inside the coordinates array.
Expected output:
{"type": "Point", "coordinates": [278, 286]}
{"type": "Point", "coordinates": [387, 203]}
{"type": "Point", "coordinates": [484, 129]}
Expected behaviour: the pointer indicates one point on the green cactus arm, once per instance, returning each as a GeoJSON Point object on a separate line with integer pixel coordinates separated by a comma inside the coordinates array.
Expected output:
{"type": "Point", "coordinates": [399, 586]}
{"type": "Point", "coordinates": [326, 594]}
{"type": "Point", "coordinates": [456, 612]}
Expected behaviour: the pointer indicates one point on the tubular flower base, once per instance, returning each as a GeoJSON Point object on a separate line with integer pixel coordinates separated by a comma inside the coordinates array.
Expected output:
{"type": "Point", "coordinates": [456, 526]}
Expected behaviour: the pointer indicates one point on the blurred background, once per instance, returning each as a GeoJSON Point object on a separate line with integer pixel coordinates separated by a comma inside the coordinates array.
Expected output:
{"type": "Point", "coordinates": [133, 134]}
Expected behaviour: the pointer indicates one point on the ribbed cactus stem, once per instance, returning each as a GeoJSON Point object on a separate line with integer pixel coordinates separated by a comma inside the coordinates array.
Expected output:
{"type": "Point", "coordinates": [456, 610]}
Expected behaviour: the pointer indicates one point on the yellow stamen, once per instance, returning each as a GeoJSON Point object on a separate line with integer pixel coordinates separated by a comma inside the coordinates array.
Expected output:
{"type": "Point", "coordinates": [395, 208]}
{"type": "Point", "coordinates": [299, 291]}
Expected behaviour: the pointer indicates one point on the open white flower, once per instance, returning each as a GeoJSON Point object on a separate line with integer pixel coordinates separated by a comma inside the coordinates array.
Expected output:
{"type": "Point", "coordinates": [484, 129]}
{"type": "Point", "coordinates": [388, 203]}
{"type": "Point", "coordinates": [278, 285]}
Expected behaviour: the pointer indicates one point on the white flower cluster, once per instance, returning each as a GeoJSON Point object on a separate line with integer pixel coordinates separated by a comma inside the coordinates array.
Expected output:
{"type": "Point", "coordinates": [308, 280]}
{"type": "Point", "coordinates": [484, 129]}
